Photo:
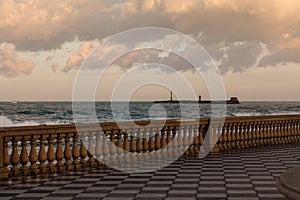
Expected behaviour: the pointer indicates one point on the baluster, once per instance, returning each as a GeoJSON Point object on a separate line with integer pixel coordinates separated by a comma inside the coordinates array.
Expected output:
{"type": "Point", "coordinates": [42, 154]}
{"type": "Point", "coordinates": [51, 154]}
{"type": "Point", "coordinates": [185, 141]}
{"type": "Point", "coordinates": [195, 142]}
{"type": "Point", "coordinates": [145, 145]}
{"type": "Point", "coordinates": [191, 141]}
{"type": "Point", "coordinates": [279, 132]}
{"type": "Point", "coordinates": [180, 138]}
{"type": "Point", "coordinates": [297, 131]}
{"type": "Point", "coordinates": [175, 133]}
{"type": "Point", "coordinates": [68, 152]}
{"type": "Point", "coordinates": [157, 140]}
{"type": "Point", "coordinates": [133, 157]}
{"type": "Point", "coordinates": [265, 133]}
{"type": "Point", "coordinates": [246, 133]}
{"type": "Point", "coordinates": [163, 138]}
{"type": "Point", "coordinates": [83, 151]}
{"type": "Point", "coordinates": [233, 132]}
{"type": "Point", "coordinates": [293, 131]}
{"type": "Point", "coordinates": [106, 156]}
{"type": "Point", "coordinates": [242, 138]}
{"type": "Point", "coordinates": [169, 142]}
{"type": "Point", "coordinates": [24, 156]}
{"type": "Point", "coordinates": [228, 131]}
{"type": "Point", "coordinates": [265, 136]}
{"type": "Point", "coordinates": [126, 147]}
{"type": "Point", "coordinates": [145, 142]}
{"type": "Point", "coordinates": [151, 141]}
{"type": "Point", "coordinates": [201, 149]}
{"type": "Point", "coordinates": [285, 133]}
{"type": "Point", "coordinates": [139, 146]}
{"type": "Point", "coordinates": [259, 133]}
{"type": "Point", "coordinates": [98, 149]}
{"type": "Point", "coordinates": [220, 139]}
{"type": "Point", "coordinates": [262, 136]}
{"type": "Point", "coordinates": [113, 148]}
{"type": "Point", "coordinates": [272, 133]}
{"type": "Point", "coordinates": [33, 155]}
{"type": "Point", "coordinates": [75, 151]}
{"type": "Point", "coordinates": [59, 153]}
{"type": "Point", "coordinates": [224, 138]}
{"type": "Point", "coordinates": [120, 146]}
{"type": "Point", "coordinates": [132, 143]}
{"type": "Point", "coordinates": [237, 136]}
{"type": "Point", "coordinates": [6, 159]}
{"type": "Point", "coordinates": [91, 150]}
{"type": "Point", "coordinates": [275, 132]}
{"type": "Point", "coordinates": [282, 132]}
{"type": "Point", "coordinates": [214, 138]}
{"type": "Point", "coordinates": [271, 140]}
{"type": "Point", "coordinates": [289, 131]}
{"type": "Point", "coordinates": [268, 133]}
{"type": "Point", "coordinates": [250, 135]}
{"type": "Point", "coordinates": [253, 134]}
{"type": "Point", "coordinates": [256, 133]}
{"type": "Point", "coordinates": [15, 159]}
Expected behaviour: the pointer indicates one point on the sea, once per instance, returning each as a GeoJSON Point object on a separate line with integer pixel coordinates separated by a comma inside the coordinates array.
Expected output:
{"type": "Point", "coordinates": [51, 113]}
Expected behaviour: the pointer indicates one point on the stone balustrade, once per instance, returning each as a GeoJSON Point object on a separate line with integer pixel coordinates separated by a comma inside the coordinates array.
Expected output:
{"type": "Point", "coordinates": [56, 148]}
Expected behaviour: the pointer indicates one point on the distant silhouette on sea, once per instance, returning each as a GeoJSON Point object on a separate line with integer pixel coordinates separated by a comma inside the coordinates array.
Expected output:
{"type": "Point", "coordinates": [232, 100]}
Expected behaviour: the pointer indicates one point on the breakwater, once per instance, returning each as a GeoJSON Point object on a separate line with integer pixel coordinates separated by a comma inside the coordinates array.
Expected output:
{"type": "Point", "coordinates": [56, 148]}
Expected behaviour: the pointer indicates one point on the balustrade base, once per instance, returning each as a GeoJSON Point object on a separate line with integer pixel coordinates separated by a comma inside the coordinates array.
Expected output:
{"type": "Point", "coordinates": [4, 173]}
{"type": "Point", "coordinates": [44, 170]}
{"type": "Point", "coordinates": [215, 149]}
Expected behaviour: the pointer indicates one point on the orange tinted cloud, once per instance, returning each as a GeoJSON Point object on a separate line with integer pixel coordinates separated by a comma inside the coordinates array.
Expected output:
{"type": "Point", "coordinates": [11, 64]}
{"type": "Point", "coordinates": [256, 25]}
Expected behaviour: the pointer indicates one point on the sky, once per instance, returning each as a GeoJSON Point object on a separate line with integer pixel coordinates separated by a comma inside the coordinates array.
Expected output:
{"type": "Point", "coordinates": [255, 45]}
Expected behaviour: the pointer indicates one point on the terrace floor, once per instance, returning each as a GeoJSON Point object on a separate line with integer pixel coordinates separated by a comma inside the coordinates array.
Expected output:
{"type": "Point", "coordinates": [247, 174]}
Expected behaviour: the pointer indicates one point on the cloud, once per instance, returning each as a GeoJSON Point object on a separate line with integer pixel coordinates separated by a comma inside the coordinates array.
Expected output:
{"type": "Point", "coordinates": [11, 64]}
{"type": "Point", "coordinates": [76, 59]}
{"type": "Point", "coordinates": [55, 67]}
{"type": "Point", "coordinates": [244, 29]}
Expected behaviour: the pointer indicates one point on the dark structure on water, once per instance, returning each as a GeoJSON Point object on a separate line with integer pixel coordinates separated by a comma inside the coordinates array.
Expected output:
{"type": "Point", "coordinates": [232, 100]}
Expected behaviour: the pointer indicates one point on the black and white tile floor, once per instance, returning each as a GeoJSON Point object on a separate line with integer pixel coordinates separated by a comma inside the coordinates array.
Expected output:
{"type": "Point", "coordinates": [248, 174]}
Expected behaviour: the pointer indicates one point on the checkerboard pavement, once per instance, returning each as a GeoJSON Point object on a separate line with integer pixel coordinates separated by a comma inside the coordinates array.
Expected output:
{"type": "Point", "coordinates": [248, 174]}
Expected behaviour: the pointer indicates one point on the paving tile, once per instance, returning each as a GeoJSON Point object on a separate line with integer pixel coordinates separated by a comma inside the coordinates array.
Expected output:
{"type": "Point", "coordinates": [245, 174]}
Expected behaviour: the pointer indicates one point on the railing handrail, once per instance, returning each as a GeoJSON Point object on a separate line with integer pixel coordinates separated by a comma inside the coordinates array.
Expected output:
{"type": "Point", "coordinates": [64, 128]}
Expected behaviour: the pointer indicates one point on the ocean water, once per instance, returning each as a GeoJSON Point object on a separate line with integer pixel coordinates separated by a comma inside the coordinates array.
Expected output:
{"type": "Point", "coordinates": [37, 113]}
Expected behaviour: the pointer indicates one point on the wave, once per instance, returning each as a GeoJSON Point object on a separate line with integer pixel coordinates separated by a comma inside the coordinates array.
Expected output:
{"type": "Point", "coordinates": [6, 122]}
{"type": "Point", "coordinates": [240, 114]}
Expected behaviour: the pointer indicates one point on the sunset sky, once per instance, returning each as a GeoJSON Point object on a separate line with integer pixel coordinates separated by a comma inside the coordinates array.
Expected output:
{"type": "Point", "coordinates": [255, 44]}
